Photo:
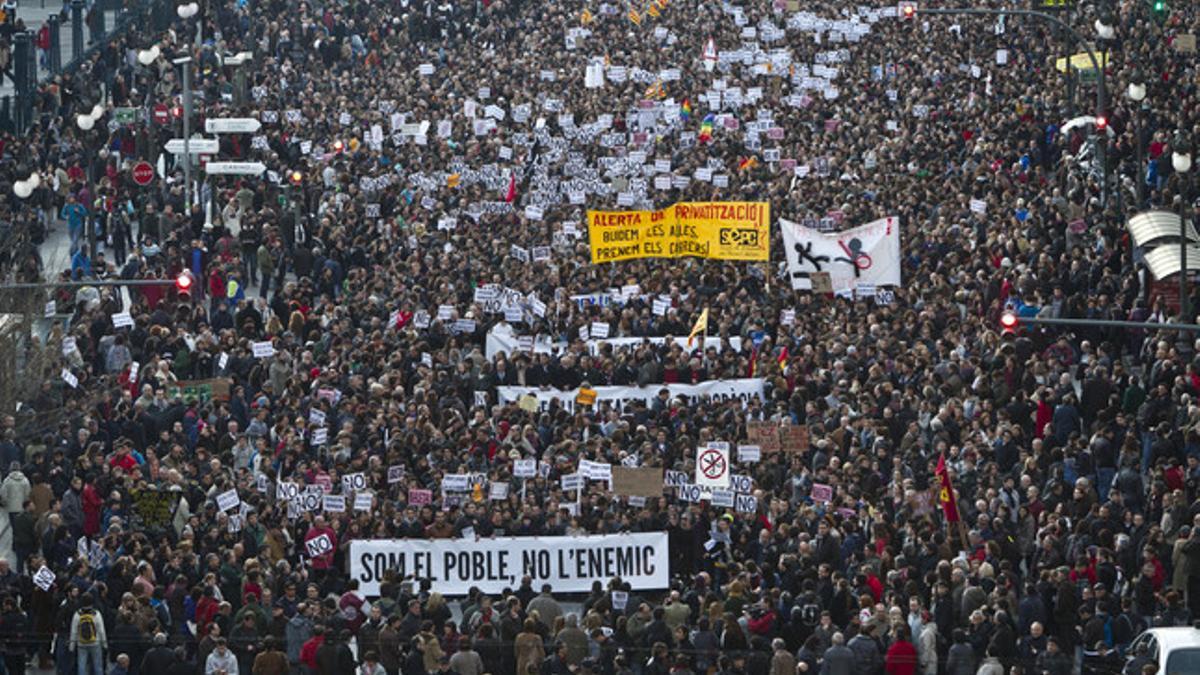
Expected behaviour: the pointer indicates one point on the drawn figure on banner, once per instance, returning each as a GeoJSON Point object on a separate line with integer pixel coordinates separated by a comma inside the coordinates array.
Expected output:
{"type": "Point", "coordinates": [855, 256]}
{"type": "Point", "coordinates": [806, 255]}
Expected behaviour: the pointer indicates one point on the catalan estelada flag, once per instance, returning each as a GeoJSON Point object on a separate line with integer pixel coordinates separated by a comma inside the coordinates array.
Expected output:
{"type": "Point", "coordinates": [586, 17]}
{"type": "Point", "coordinates": [453, 180]}
{"type": "Point", "coordinates": [747, 163]}
{"type": "Point", "coordinates": [652, 10]}
{"type": "Point", "coordinates": [685, 110]}
{"type": "Point", "coordinates": [635, 17]}
{"type": "Point", "coordinates": [706, 128]}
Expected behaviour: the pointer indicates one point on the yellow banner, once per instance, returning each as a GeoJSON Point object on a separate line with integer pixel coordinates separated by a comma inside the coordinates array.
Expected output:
{"type": "Point", "coordinates": [1082, 61]}
{"type": "Point", "coordinates": [718, 230]}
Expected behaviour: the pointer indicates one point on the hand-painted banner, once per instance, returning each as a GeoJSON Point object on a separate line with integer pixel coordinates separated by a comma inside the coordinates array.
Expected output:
{"type": "Point", "coordinates": [867, 255]}
{"type": "Point", "coordinates": [568, 564]}
{"type": "Point", "coordinates": [719, 230]}
{"type": "Point", "coordinates": [618, 397]}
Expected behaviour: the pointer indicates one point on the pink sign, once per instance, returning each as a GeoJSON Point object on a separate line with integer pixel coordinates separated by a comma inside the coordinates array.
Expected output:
{"type": "Point", "coordinates": [420, 497]}
{"type": "Point", "coordinates": [821, 492]}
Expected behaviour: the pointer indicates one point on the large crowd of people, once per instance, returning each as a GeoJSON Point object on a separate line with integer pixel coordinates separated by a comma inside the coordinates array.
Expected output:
{"type": "Point", "coordinates": [417, 153]}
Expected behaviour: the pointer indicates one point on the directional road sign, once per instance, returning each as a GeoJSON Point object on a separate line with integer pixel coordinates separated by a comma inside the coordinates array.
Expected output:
{"type": "Point", "coordinates": [197, 146]}
{"type": "Point", "coordinates": [232, 125]}
{"type": "Point", "coordinates": [235, 168]}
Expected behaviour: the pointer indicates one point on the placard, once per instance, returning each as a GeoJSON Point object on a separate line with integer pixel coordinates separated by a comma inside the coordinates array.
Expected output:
{"type": "Point", "coordinates": [717, 230]}
{"type": "Point", "coordinates": [228, 500]}
{"type": "Point", "coordinates": [44, 578]}
{"type": "Point", "coordinates": [637, 481]}
{"type": "Point", "coordinates": [263, 350]}
{"type": "Point", "coordinates": [418, 497]}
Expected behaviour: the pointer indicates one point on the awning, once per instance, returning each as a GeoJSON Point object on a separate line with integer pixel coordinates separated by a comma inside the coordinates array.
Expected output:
{"type": "Point", "coordinates": [1149, 227]}
{"type": "Point", "coordinates": [1164, 260]}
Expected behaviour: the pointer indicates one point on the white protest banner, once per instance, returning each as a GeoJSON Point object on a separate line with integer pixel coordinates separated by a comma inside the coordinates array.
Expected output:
{"type": "Point", "coordinates": [868, 254]}
{"type": "Point", "coordinates": [334, 504]}
{"type": "Point", "coordinates": [618, 397]}
{"type": "Point", "coordinates": [263, 350]}
{"type": "Point", "coordinates": [354, 482]}
{"type": "Point", "coordinates": [740, 483]}
{"type": "Point", "coordinates": [749, 454]}
{"type": "Point", "coordinates": [363, 501]}
{"type": "Point", "coordinates": [51, 310]}
{"type": "Point", "coordinates": [498, 492]}
{"type": "Point", "coordinates": [712, 466]}
{"type": "Point", "coordinates": [320, 436]}
{"type": "Point", "coordinates": [456, 482]}
{"type": "Point", "coordinates": [44, 578]}
{"type": "Point", "coordinates": [745, 503]}
{"type": "Point", "coordinates": [70, 378]}
{"type": "Point", "coordinates": [122, 320]}
{"type": "Point", "coordinates": [723, 498]}
{"type": "Point", "coordinates": [286, 491]}
{"type": "Point", "coordinates": [501, 341]}
{"type": "Point", "coordinates": [228, 500]}
{"type": "Point", "coordinates": [595, 470]}
{"type": "Point", "coordinates": [572, 481]}
{"type": "Point", "coordinates": [319, 545]}
{"type": "Point", "coordinates": [316, 417]}
{"type": "Point", "coordinates": [569, 564]}
{"type": "Point", "coordinates": [68, 345]}
{"type": "Point", "coordinates": [525, 468]}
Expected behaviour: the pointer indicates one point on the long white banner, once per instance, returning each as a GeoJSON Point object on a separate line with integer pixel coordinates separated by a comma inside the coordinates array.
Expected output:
{"type": "Point", "coordinates": [504, 340]}
{"type": "Point", "coordinates": [867, 255]}
{"type": "Point", "coordinates": [741, 389]}
{"type": "Point", "coordinates": [568, 564]}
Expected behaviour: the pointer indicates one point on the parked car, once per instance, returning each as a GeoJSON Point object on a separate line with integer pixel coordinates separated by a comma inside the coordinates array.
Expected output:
{"type": "Point", "coordinates": [1175, 650]}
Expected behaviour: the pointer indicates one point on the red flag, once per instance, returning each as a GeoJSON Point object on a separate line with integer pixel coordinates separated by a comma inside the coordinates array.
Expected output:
{"type": "Point", "coordinates": [783, 360]}
{"type": "Point", "coordinates": [946, 491]}
{"type": "Point", "coordinates": [511, 194]}
{"type": "Point", "coordinates": [753, 362]}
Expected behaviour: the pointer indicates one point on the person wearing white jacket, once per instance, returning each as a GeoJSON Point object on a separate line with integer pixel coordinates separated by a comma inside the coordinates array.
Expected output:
{"type": "Point", "coordinates": [927, 654]}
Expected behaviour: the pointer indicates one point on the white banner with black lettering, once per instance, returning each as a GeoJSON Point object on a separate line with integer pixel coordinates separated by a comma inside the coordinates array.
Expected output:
{"type": "Point", "coordinates": [502, 339]}
{"type": "Point", "coordinates": [568, 564]}
{"type": "Point", "coordinates": [741, 389]}
{"type": "Point", "coordinates": [867, 255]}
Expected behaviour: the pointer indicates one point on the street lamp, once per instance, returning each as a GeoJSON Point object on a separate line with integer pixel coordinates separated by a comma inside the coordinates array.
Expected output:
{"type": "Point", "coordinates": [1181, 161]}
{"type": "Point", "coordinates": [1136, 91]}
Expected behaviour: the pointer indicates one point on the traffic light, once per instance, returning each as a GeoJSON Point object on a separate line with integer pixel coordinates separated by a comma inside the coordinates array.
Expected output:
{"type": "Point", "coordinates": [338, 146]}
{"type": "Point", "coordinates": [183, 283]}
{"type": "Point", "coordinates": [1008, 323]}
{"type": "Point", "coordinates": [908, 10]}
{"type": "Point", "coordinates": [1101, 124]}
{"type": "Point", "coordinates": [296, 178]}
{"type": "Point", "coordinates": [1160, 6]}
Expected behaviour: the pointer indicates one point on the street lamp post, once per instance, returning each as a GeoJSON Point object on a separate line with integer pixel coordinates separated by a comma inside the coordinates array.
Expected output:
{"type": "Point", "coordinates": [186, 63]}
{"type": "Point", "coordinates": [86, 123]}
{"type": "Point", "coordinates": [1181, 161]}
{"type": "Point", "coordinates": [1137, 93]}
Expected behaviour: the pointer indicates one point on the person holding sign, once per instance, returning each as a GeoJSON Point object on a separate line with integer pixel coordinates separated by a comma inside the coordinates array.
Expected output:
{"type": "Point", "coordinates": [321, 542]}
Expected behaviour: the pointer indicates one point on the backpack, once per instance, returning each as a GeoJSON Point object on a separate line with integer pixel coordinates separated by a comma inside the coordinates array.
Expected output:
{"type": "Point", "coordinates": [87, 628]}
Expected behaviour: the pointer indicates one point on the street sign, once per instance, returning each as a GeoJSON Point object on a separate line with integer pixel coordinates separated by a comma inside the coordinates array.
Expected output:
{"type": "Point", "coordinates": [162, 114]}
{"type": "Point", "coordinates": [235, 168]}
{"type": "Point", "coordinates": [197, 146]}
{"type": "Point", "coordinates": [125, 115]}
{"type": "Point", "coordinates": [143, 173]}
{"type": "Point", "coordinates": [232, 125]}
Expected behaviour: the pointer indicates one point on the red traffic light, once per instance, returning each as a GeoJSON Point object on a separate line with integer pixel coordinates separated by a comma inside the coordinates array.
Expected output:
{"type": "Point", "coordinates": [1101, 123]}
{"type": "Point", "coordinates": [183, 283]}
{"type": "Point", "coordinates": [339, 146]}
{"type": "Point", "coordinates": [295, 177]}
{"type": "Point", "coordinates": [908, 10]}
{"type": "Point", "coordinates": [1009, 321]}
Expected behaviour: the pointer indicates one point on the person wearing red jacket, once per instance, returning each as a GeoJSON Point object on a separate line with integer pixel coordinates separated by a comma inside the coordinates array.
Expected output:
{"type": "Point", "coordinates": [308, 652]}
{"type": "Point", "coordinates": [901, 657]}
{"type": "Point", "coordinates": [321, 561]}
{"type": "Point", "coordinates": [92, 506]}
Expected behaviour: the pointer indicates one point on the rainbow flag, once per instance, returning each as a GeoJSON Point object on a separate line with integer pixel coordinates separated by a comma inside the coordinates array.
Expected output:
{"type": "Point", "coordinates": [706, 128]}
{"type": "Point", "coordinates": [685, 110]}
